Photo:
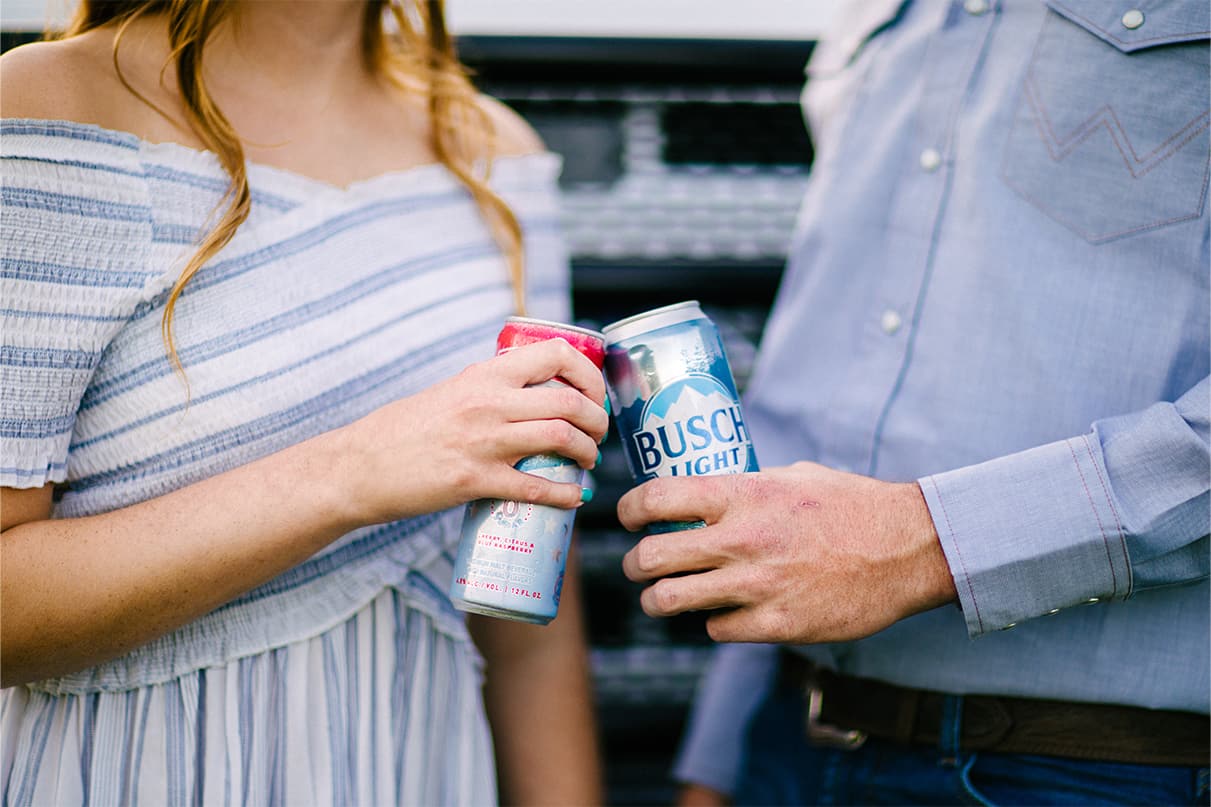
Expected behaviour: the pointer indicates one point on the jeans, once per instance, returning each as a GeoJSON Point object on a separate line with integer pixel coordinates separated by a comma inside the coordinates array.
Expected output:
{"type": "Point", "coordinates": [780, 767]}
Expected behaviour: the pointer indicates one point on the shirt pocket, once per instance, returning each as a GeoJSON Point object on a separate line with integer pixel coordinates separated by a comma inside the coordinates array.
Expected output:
{"type": "Point", "coordinates": [1110, 133]}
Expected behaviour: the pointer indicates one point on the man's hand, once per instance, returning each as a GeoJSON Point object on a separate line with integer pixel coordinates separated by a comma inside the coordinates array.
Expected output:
{"type": "Point", "coordinates": [796, 555]}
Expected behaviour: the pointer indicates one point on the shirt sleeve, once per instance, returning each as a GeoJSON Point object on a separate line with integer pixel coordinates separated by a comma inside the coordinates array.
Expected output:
{"type": "Point", "coordinates": [735, 683]}
{"type": "Point", "coordinates": [74, 240]}
{"type": "Point", "coordinates": [1102, 516]}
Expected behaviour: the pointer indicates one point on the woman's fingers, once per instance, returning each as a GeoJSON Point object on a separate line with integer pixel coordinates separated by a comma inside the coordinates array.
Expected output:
{"type": "Point", "coordinates": [557, 402]}
{"type": "Point", "coordinates": [566, 418]}
{"type": "Point", "coordinates": [549, 437]}
{"type": "Point", "coordinates": [513, 485]}
{"type": "Point", "coordinates": [542, 361]}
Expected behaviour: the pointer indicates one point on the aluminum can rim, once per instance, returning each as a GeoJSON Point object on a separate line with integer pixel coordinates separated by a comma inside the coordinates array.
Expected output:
{"type": "Point", "coordinates": [651, 320]}
{"type": "Point", "coordinates": [562, 326]}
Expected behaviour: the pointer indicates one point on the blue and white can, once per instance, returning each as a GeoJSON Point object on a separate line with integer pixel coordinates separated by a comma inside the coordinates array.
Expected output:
{"type": "Point", "coordinates": [512, 555]}
{"type": "Point", "coordinates": [674, 398]}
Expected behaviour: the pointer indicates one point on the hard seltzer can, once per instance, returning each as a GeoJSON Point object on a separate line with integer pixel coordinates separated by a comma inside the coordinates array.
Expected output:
{"type": "Point", "coordinates": [674, 399]}
{"type": "Point", "coordinates": [512, 555]}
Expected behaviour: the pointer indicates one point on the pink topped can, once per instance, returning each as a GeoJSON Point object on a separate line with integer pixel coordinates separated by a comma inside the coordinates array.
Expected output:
{"type": "Point", "coordinates": [512, 555]}
{"type": "Point", "coordinates": [521, 331]}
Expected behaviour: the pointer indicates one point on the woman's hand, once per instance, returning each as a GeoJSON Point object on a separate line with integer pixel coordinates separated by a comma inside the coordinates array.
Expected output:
{"type": "Point", "coordinates": [459, 439]}
{"type": "Point", "coordinates": [156, 565]}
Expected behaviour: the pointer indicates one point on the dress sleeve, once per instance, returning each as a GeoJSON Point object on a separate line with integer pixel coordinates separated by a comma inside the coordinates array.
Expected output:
{"type": "Point", "coordinates": [1101, 516]}
{"type": "Point", "coordinates": [74, 242]}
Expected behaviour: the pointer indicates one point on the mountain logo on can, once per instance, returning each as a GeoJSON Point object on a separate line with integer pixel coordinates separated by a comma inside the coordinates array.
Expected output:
{"type": "Point", "coordinates": [692, 427]}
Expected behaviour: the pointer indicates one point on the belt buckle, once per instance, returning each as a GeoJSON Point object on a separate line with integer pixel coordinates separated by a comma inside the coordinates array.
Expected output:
{"type": "Point", "coordinates": [823, 734]}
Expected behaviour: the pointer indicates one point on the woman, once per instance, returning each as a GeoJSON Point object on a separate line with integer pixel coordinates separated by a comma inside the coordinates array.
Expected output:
{"type": "Point", "coordinates": [249, 249]}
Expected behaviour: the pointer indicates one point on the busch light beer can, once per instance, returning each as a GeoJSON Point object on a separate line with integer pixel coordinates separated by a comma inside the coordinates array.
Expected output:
{"type": "Point", "coordinates": [512, 555]}
{"type": "Point", "coordinates": [674, 398]}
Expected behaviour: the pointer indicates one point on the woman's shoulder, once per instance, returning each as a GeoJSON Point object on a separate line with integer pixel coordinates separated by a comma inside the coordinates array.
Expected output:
{"type": "Point", "coordinates": [514, 136]}
{"type": "Point", "coordinates": [69, 124]}
{"type": "Point", "coordinates": [59, 80]}
{"type": "Point", "coordinates": [68, 168]}
{"type": "Point", "coordinates": [73, 80]}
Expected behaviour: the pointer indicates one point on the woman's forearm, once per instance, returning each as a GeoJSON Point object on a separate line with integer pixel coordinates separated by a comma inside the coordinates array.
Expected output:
{"type": "Point", "coordinates": [80, 591]}
{"type": "Point", "coordinates": [539, 699]}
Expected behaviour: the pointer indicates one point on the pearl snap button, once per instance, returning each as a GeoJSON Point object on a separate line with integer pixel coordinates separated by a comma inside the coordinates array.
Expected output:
{"type": "Point", "coordinates": [975, 7]}
{"type": "Point", "coordinates": [890, 322]}
{"type": "Point", "coordinates": [930, 159]}
{"type": "Point", "coordinates": [1133, 19]}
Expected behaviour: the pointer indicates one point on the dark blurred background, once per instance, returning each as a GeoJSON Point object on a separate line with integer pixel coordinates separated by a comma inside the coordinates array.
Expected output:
{"type": "Point", "coordinates": [685, 161]}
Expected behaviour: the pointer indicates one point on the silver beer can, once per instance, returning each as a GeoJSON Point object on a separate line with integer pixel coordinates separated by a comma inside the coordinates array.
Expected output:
{"type": "Point", "coordinates": [674, 398]}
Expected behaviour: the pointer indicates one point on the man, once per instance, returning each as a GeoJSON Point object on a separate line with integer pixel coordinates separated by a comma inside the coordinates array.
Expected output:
{"type": "Point", "coordinates": [992, 345]}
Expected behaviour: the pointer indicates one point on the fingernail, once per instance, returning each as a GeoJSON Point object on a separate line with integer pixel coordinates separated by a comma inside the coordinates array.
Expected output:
{"type": "Point", "coordinates": [597, 461]}
{"type": "Point", "coordinates": [586, 495]}
{"type": "Point", "coordinates": [607, 405]}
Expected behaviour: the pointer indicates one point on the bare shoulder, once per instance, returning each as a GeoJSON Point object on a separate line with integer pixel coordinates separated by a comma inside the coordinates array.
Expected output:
{"type": "Point", "coordinates": [513, 135]}
{"type": "Point", "coordinates": [75, 79]}
{"type": "Point", "coordinates": [67, 79]}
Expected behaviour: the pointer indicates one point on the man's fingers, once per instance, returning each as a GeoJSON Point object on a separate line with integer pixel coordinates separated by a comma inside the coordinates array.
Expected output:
{"type": "Point", "coordinates": [750, 624]}
{"type": "Point", "coordinates": [668, 553]}
{"type": "Point", "coordinates": [674, 499]}
{"type": "Point", "coordinates": [695, 592]}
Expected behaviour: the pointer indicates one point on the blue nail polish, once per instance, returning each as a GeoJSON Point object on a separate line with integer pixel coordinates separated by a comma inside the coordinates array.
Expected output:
{"type": "Point", "coordinates": [607, 405]}
{"type": "Point", "coordinates": [586, 494]}
{"type": "Point", "coordinates": [597, 461]}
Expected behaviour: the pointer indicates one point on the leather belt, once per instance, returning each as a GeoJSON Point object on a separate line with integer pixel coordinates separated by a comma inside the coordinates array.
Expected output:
{"type": "Point", "coordinates": [843, 710]}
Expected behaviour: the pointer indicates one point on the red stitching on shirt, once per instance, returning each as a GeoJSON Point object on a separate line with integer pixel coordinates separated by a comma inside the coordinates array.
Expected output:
{"type": "Point", "coordinates": [1105, 116]}
{"type": "Point", "coordinates": [1048, 137]}
{"type": "Point", "coordinates": [958, 552]}
{"type": "Point", "coordinates": [1118, 522]}
{"type": "Point", "coordinates": [1101, 238]}
{"type": "Point", "coordinates": [1101, 526]}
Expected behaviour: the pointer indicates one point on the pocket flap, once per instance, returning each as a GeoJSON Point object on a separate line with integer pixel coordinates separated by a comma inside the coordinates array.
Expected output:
{"type": "Point", "coordinates": [1156, 22]}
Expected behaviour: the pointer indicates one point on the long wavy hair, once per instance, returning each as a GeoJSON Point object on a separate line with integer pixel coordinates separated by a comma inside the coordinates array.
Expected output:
{"type": "Point", "coordinates": [420, 50]}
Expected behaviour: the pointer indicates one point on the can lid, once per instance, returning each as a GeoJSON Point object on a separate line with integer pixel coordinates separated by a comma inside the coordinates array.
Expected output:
{"type": "Point", "coordinates": [520, 331]}
{"type": "Point", "coordinates": [651, 320]}
{"type": "Point", "coordinates": [558, 326]}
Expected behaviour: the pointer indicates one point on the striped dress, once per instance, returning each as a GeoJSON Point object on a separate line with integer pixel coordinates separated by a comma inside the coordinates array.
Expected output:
{"type": "Point", "coordinates": [349, 679]}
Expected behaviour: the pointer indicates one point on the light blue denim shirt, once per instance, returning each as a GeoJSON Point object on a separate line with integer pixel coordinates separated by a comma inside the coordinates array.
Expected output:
{"type": "Point", "coordinates": [999, 287]}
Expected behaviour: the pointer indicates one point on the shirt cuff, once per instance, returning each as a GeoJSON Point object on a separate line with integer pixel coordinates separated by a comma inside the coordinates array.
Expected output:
{"type": "Point", "coordinates": [1031, 533]}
